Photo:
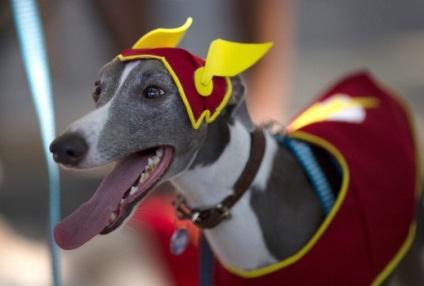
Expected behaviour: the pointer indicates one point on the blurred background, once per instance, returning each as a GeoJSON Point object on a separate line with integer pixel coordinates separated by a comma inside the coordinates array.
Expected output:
{"type": "Point", "coordinates": [316, 42]}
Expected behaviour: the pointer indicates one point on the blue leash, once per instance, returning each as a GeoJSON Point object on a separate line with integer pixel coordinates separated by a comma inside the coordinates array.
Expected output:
{"type": "Point", "coordinates": [316, 176]}
{"type": "Point", "coordinates": [31, 42]}
{"type": "Point", "coordinates": [206, 263]}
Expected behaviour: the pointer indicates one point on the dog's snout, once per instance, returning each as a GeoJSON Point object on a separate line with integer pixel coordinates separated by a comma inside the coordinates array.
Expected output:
{"type": "Point", "coordinates": [69, 149]}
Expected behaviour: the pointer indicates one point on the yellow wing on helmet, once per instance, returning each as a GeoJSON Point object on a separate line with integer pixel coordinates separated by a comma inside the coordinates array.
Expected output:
{"type": "Point", "coordinates": [163, 38]}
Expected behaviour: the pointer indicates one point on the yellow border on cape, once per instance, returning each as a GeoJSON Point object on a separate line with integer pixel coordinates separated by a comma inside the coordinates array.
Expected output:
{"type": "Point", "coordinates": [311, 243]}
{"type": "Point", "coordinates": [418, 190]}
{"type": "Point", "coordinates": [388, 269]}
{"type": "Point", "coordinates": [340, 199]}
{"type": "Point", "coordinates": [206, 114]}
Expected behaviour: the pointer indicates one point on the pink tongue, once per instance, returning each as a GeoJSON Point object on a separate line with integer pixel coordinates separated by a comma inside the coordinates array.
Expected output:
{"type": "Point", "coordinates": [93, 216]}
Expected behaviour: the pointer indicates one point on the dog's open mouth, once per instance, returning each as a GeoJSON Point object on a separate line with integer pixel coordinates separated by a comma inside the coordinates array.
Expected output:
{"type": "Point", "coordinates": [129, 182]}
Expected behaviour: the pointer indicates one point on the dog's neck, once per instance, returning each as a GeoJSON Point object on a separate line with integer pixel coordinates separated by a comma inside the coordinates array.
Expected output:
{"type": "Point", "coordinates": [217, 166]}
{"type": "Point", "coordinates": [211, 179]}
{"type": "Point", "coordinates": [244, 241]}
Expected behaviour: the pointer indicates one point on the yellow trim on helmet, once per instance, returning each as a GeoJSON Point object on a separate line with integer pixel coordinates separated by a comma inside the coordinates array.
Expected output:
{"type": "Point", "coordinates": [206, 114]}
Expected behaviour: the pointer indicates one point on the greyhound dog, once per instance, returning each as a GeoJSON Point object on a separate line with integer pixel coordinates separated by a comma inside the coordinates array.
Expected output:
{"type": "Point", "coordinates": [243, 187]}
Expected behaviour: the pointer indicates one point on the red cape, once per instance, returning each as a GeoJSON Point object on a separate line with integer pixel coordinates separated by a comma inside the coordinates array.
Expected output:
{"type": "Point", "coordinates": [372, 224]}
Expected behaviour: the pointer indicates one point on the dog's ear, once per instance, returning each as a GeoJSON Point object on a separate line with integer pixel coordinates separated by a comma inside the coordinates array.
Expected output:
{"type": "Point", "coordinates": [236, 105]}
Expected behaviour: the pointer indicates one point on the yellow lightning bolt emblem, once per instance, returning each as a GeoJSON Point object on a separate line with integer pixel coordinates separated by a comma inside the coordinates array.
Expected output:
{"type": "Point", "coordinates": [339, 107]}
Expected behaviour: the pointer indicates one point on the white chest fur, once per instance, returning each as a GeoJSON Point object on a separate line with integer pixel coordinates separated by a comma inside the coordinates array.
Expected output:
{"type": "Point", "coordinates": [237, 242]}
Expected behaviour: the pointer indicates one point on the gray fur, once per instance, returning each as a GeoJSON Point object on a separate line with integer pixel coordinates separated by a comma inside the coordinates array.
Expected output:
{"type": "Point", "coordinates": [288, 210]}
{"type": "Point", "coordinates": [134, 120]}
{"type": "Point", "coordinates": [109, 80]}
{"type": "Point", "coordinates": [212, 149]}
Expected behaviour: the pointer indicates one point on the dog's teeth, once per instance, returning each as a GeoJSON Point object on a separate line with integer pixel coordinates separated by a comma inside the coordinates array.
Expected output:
{"type": "Point", "coordinates": [149, 168]}
{"type": "Point", "coordinates": [156, 160]}
{"type": "Point", "coordinates": [153, 161]}
{"type": "Point", "coordinates": [113, 217]}
{"type": "Point", "coordinates": [143, 177]}
{"type": "Point", "coordinates": [133, 190]}
{"type": "Point", "coordinates": [122, 201]}
{"type": "Point", "coordinates": [159, 152]}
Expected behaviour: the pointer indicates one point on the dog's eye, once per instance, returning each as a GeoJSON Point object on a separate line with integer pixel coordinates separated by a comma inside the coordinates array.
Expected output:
{"type": "Point", "coordinates": [97, 92]}
{"type": "Point", "coordinates": [153, 92]}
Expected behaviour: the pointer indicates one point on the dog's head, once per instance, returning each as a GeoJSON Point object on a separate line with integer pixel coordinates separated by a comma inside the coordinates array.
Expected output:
{"type": "Point", "coordinates": [150, 122]}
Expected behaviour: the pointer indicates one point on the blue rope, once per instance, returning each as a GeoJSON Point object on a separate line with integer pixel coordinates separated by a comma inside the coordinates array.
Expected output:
{"type": "Point", "coordinates": [31, 42]}
{"type": "Point", "coordinates": [307, 160]}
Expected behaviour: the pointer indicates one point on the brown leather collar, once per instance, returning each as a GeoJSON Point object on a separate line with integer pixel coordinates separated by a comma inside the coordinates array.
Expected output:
{"type": "Point", "coordinates": [211, 217]}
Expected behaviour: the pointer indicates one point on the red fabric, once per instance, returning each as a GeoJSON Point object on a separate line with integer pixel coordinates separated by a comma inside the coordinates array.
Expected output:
{"type": "Point", "coordinates": [184, 64]}
{"type": "Point", "coordinates": [375, 217]}
{"type": "Point", "coordinates": [157, 214]}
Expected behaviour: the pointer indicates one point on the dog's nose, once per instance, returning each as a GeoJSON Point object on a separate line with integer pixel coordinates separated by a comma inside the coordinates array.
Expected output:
{"type": "Point", "coordinates": [69, 149]}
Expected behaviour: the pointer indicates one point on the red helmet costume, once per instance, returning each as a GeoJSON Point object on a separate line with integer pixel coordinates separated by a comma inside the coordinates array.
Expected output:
{"type": "Point", "coordinates": [204, 85]}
